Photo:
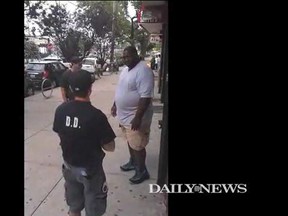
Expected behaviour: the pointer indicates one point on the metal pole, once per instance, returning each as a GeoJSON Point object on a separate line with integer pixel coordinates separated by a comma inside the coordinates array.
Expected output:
{"type": "Point", "coordinates": [132, 30]}
{"type": "Point", "coordinates": [113, 35]}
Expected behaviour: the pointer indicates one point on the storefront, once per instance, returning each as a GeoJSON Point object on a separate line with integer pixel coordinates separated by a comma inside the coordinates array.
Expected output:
{"type": "Point", "coordinates": [153, 17]}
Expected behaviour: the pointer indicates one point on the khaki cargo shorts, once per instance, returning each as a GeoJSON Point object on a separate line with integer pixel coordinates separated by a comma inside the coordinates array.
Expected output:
{"type": "Point", "coordinates": [138, 139]}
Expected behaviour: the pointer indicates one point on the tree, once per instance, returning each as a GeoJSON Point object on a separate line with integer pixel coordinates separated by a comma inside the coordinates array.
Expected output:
{"type": "Point", "coordinates": [140, 35]}
{"type": "Point", "coordinates": [142, 38]}
{"type": "Point", "coordinates": [102, 46]}
{"type": "Point", "coordinates": [69, 46]}
{"type": "Point", "coordinates": [32, 10]}
{"type": "Point", "coordinates": [31, 50]}
{"type": "Point", "coordinates": [136, 4]}
{"type": "Point", "coordinates": [119, 14]}
{"type": "Point", "coordinates": [86, 43]}
{"type": "Point", "coordinates": [94, 18]}
{"type": "Point", "coordinates": [98, 16]}
{"type": "Point", "coordinates": [150, 47]}
{"type": "Point", "coordinates": [122, 27]}
{"type": "Point", "coordinates": [57, 23]}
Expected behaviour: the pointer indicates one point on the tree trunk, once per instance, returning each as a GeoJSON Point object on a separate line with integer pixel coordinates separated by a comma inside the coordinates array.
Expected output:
{"type": "Point", "coordinates": [115, 7]}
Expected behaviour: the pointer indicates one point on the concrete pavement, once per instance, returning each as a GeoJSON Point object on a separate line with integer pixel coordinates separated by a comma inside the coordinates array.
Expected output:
{"type": "Point", "coordinates": [44, 190]}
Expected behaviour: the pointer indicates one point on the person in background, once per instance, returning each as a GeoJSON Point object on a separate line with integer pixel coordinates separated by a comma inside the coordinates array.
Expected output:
{"type": "Point", "coordinates": [152, 63]}
{"type": "Point", "coordinates": [97, 67]}
{"type": "Point", "coordinates": [158, 62]}
{"type": "Point", "coordinates": [76, 65]}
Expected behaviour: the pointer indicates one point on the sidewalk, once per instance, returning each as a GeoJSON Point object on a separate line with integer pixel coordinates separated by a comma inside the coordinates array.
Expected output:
{"type": "Point", "coordinates": [44, 190]}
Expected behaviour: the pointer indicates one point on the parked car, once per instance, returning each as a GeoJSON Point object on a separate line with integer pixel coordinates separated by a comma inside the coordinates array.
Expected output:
{"type": "Point", "coordinates": [53, 58]}
{"type": "Point", "coordinates": [53, 70]}
{"type": "Point", "coordinates": [29, 88]}
{"type": "Point", "coordinates": [89, 65]}
{"type": "Point", "coordinates": [67, 64]}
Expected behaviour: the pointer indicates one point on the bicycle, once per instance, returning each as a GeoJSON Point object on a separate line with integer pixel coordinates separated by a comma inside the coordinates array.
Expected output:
{"type": "Point", "coordinates": [47, 87]}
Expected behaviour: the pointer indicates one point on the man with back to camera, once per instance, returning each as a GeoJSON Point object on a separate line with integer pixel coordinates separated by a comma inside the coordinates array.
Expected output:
{"type": "Point", "coordinates": [84, 132]}
{"type": "Point", "coordinates": [76, 65]}
{"type": "Point", "coordinates": [133, 107]}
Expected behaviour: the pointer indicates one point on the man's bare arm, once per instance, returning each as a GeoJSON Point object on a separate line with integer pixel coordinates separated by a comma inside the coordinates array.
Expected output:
{"type": "Point", "coordinates": [142, 107]}
{"type": "Point", "coordinates": [63, 93]}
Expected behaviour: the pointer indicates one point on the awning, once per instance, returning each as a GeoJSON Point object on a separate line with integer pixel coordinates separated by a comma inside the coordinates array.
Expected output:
{"type": "Point", "coordinates": [152, 16]}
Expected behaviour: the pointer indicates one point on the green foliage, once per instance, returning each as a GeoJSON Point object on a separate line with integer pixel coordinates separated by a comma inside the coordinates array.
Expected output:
{"type": "Point", "coordinates": [96, 15]}
{"type": "Point", "coordinates": [93, 22]}
{"type": "Point", "coordinates": [69, 46]}
{"type": "Point", "coordinates": [142, 38]}
{"type": "Point", "coordinates": [102, 46]}
{"type": "Point", "coordinates": [54, 22]}
{"type": "Point", "coordinates": [150, 47]}
{"type": "Point", "coordinates": [86, 44]}
{"type": "Point", "coordinates": [31, 50]}
{"type": "Point", "coordinates": [57, 24]}
{"type": "Point", "coordinates": [122, 25]}
{"type": "Point", "coordinates": [32, 10]}
{"type": "Point", "coordinates": [136, 4]}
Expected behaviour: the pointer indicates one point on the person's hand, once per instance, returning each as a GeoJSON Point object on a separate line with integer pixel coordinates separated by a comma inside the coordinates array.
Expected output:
{"type": "Point", "coordinates": [113, 110]}
{"type": "Point", "coordinates": [135, 123]}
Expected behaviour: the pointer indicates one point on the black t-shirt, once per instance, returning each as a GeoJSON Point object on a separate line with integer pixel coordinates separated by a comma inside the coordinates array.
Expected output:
{"type": "Point", "coordinates": [65, 84]}
{"type": "Point", "coordinates": [82, 129]}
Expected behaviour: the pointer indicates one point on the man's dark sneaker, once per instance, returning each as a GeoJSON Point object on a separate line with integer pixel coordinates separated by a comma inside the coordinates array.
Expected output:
{"type": "Point", "coordinates": [128, 166]}
{"type": "Point", "coordinates": [139, 177]}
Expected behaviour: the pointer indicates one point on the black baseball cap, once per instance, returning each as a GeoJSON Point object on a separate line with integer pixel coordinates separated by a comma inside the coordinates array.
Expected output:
{"type": "Point", "coordinates": [80, 81]}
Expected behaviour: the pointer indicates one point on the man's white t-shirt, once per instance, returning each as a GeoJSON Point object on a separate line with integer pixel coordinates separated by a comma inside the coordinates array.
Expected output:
{"type": "Point", "coordinates": [133, 85]}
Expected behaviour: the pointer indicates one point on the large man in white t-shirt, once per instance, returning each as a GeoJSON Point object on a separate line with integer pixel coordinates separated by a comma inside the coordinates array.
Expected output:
{"type": "Point", "coordinates": [133, 107]}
